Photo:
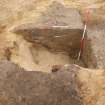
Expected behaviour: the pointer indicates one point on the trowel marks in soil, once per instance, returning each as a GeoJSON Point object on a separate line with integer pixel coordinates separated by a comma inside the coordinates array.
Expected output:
{"type": "Point", "coordinates": [59, 29]}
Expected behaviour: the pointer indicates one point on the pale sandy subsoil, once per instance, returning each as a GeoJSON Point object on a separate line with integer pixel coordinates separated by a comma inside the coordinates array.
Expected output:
{"type": "Point", "coordinates": [92, 81]}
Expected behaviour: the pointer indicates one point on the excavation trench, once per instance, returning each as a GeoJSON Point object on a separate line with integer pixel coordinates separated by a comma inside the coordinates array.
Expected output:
{"type": "Point", "coordinates": [58, 45]}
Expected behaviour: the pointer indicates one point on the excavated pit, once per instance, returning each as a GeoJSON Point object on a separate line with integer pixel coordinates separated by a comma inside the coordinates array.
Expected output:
{"type": "Point", "coordinates": [56, 46]}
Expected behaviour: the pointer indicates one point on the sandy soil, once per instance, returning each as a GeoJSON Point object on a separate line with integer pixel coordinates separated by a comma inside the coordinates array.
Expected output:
{"type": "Point", "coordinates": [36, 58]}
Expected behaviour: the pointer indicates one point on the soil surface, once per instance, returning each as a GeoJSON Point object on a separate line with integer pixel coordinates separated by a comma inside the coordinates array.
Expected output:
{"type": "Point", "coordinates": [67, 86]}
{"type": "Point", "coordinates": [22, 87]}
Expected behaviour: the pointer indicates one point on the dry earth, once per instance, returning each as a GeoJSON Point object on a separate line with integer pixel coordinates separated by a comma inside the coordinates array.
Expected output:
{"type": "Point", "coordinates": [15, 48]}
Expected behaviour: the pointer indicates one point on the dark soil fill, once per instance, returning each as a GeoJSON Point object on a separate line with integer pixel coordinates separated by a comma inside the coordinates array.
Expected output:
{"type": "Point", "coordinates": [20, 87]}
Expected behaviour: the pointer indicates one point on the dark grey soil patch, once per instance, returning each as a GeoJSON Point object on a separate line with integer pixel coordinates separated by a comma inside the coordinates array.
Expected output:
{"type": "Point", "coordinates": [20, 87]}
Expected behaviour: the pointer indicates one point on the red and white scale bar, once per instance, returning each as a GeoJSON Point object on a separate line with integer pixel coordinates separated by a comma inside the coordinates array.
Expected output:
{"type": "Point", "coordinates": [86, 20]}
{"type": "Point", "coordinates": [82, 42]}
